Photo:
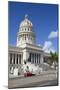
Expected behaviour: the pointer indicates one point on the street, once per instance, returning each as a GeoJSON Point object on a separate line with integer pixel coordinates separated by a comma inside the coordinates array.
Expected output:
{"type": "Point", "coordinates": [46, 83]}
{"type": "Point", "coordinates": [48, 79]}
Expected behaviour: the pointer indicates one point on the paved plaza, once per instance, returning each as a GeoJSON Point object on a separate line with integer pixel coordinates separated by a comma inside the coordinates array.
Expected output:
{"type": "Point", "coordinates": [47, 79]}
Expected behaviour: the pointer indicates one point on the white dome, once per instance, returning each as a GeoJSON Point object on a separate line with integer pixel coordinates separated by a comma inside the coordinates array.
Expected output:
{"type": "Point", "coordinates": [26, 22]}
{"type": "Point", "coordinates": [25, 34]}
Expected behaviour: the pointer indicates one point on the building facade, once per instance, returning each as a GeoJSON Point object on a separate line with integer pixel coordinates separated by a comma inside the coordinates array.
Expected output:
{"type": "Point", "coordinates": [26, 52]}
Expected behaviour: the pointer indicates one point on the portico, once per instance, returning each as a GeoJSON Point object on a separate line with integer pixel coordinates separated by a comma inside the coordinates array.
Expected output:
{"type": "Point", "coordinates": [15, 58]}
{"type": "Point", "coordinates": [35, 58]}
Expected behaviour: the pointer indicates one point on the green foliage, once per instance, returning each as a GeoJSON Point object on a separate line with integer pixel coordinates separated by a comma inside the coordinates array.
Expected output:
{"type": "Point", "coordinates": [54, 57]}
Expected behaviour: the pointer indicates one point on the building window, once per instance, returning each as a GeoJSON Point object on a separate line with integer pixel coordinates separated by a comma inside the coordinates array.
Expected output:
{"type": "Point", "coordinates": [45, 59]}
{"type": "Point", "coordinates": [28, 29]}
{"type": "Point", "coordinates": [31, 38]}
{"type": "Point", "coordinates": [25, 37]}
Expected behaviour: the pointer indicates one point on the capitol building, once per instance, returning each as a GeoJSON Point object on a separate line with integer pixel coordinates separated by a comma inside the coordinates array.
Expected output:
{"type": "Point", "coordinates": [26, 54]}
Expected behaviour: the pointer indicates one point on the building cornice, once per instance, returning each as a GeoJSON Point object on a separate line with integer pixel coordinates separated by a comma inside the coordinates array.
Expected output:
{"type": "Point", "coordinates": [14, 49]}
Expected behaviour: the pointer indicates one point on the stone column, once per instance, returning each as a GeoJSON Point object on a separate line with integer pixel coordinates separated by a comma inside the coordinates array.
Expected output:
{"type": "Point", "coordinates": [38, 58]}
{"type": "Point", "coordinates": [25, 55]}
{"type": "Point", "coordinates": [21, 58]}
{"type": "Point", "coordinates": [8, 64]}
{"type": "Point", "coordinates": [41, 59]}
{"type": "Point", "coordinates": [15, 58]}
{"type": "Point", "coordinates": [8, 58]}
{"type": "Point", "coordinates": [34, 58]}
{"type": "Point", "coordinates": [31, 58]}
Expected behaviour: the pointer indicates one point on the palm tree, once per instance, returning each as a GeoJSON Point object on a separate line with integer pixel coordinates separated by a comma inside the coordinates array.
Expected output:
{"type": "Point", "coordinates": [51, 59]}
{"type": "Point", "coordinates": [54, 58]}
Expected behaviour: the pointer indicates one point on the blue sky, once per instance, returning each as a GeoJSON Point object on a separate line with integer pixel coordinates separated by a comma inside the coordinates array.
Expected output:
{"type": "Point", "coordinates": [43, 16]}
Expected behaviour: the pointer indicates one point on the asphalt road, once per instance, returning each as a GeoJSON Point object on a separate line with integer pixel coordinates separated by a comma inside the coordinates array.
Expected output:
{"type": "Point", "coordinates": [43, 84]}
{"type": "Point", "coordinates": [43, 80]}
{"type": "Point", "coordinates": [48, 83]}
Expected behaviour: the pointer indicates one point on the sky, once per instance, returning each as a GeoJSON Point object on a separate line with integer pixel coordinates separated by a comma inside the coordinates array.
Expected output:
{"type": "Point", "coordinates": [45, 22]}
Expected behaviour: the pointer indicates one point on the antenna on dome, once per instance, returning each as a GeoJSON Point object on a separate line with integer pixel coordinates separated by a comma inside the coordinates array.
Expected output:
{"type": "Point", "coordinates": [26, 16]}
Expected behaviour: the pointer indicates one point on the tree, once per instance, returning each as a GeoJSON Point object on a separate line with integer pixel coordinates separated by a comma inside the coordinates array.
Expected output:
{"type": "Point", "coordinates": [54, 58]}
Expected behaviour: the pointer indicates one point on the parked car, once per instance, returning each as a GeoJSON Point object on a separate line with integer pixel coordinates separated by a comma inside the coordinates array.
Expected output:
{"type": "Point", "coordinates": [28, 74]}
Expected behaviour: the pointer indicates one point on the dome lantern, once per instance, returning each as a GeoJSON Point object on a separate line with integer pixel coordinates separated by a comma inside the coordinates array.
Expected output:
{"type": "Point", "coordinates": [26, 22]}
{"type": "Point", "coordinates": [26, 16]}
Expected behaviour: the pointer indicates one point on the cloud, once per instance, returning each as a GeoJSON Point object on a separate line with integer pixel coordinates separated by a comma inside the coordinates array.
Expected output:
{"type": "Point", "coordinates": [53, 34]}
{"type": "Point", "coordinates": [50, 50]}
{"type": "Point", "coordinates": [48, 46]}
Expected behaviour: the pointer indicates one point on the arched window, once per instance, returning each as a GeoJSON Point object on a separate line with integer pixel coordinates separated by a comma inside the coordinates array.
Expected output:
{"type": "Point", "coordinates": [28, 29]}
{"type": "Point", "coordinates": [25, 29]}
{"type": "Point", "coordinates": [25, 37]}
{"type": "Point", "coordinates": [31, 38]}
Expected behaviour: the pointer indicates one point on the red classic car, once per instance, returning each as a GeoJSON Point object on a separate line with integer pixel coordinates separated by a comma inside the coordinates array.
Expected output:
{"type": "Point", "coordinates": [28, 74]}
